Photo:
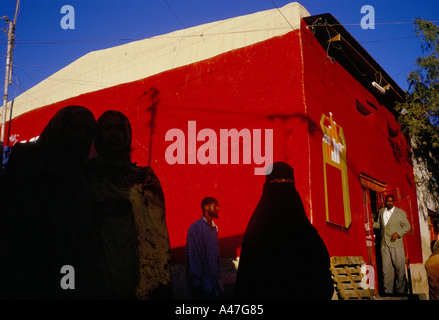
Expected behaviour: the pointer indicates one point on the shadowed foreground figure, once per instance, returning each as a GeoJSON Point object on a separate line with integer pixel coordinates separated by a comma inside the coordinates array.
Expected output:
{"type": "Point", "coordinates": [129, 212]}
{"type": "Point", "coordinates": [282, 255]}
{"type": "Point", "coordinates": [45, 219]}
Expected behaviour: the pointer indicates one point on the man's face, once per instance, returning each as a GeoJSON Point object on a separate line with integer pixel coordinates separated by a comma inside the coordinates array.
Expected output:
{"type": "Point", "coordinates": [389, 203]}
{"type": "Point", "coordinates": [212, 209]}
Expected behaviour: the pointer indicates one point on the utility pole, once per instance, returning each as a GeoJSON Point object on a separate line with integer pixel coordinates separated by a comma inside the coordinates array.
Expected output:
{"type": "Point", "coordinates": [8, 76]}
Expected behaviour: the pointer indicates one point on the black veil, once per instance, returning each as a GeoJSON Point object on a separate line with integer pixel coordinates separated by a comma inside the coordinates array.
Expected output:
{"type": "Point", "coordinates": [282, 254]}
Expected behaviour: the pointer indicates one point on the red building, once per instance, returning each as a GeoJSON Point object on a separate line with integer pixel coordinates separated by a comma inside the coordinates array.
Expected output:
{"type": "Point", "coordinates": [306, 81]}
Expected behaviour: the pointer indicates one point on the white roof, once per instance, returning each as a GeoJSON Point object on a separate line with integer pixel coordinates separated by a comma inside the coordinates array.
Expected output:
{"type": "Point", "coordinates": [140, 59]}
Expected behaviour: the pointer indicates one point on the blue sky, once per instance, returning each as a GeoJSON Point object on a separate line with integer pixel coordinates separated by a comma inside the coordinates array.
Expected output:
{"type": "Point", "coordinates": [43, 47]}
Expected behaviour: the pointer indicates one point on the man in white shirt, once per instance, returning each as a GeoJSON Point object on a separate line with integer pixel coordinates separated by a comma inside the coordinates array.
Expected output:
{"type": "Point", "coordinates": [393, 224]}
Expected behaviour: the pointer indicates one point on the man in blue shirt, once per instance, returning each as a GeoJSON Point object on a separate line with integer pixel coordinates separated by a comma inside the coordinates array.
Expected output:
{"type": "Point", "coordinates": [202, 254]}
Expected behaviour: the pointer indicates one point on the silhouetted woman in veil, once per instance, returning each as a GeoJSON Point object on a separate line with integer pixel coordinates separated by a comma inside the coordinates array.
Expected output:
{"type": "Point", "coordinates": [45, 219]}
{"type": "Point", "coordinates": [282, 254]}
{"type": "Point", "coordinates": [129, 210]}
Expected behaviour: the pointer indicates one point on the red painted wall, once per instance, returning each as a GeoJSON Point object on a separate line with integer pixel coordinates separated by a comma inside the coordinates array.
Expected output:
{"type": "Point", "coordinates": [284, 84]}
{"type": "Point", "coordinates": [329, 88]}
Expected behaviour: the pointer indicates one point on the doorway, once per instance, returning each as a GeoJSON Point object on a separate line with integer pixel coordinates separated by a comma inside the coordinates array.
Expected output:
{"type": "Point", "coordinates": [372, 190]}
{"type": "Point", "coordinates": [374, 194]}
{"type": "Point", "coordinates": [373, 238]}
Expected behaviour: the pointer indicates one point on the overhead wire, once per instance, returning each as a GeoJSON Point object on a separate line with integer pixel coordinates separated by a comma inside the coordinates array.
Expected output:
{"type": "Point", "coordinates": [409, 68]}
{"type": "Point", "coordinates": [166, 36]}
{"type": "Point", "coordinates": [72, 41]}
{"type": "Point", "coordinates": [181, 39]}
{"type": "Point", "coordinates": [37, 42]}
{"type": "Point", "coordinates": [390, 39]}
{"type": "Point", "coordinates": [378, 23]}
{"type": "Point", "coordinates": [196, 35]}
{"type": "Point", "coordinates": [175, 15]}
{"type": "Point", "coordinates": [272, 1]}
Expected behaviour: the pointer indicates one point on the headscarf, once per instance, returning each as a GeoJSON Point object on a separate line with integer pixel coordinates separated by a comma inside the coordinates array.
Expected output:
{"type": "Point", "coordinates": [281, 250]}
{"type": "Point", "coordinates": [63, 144]}
{"type": "Point", "coordinates": [69, 134]}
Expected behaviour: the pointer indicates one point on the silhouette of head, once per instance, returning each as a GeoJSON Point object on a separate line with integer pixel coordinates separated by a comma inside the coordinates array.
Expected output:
{"type": "Point", "coordinates": [113, 135]}
{"type": "Point", "coordinates": [69, 133]}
